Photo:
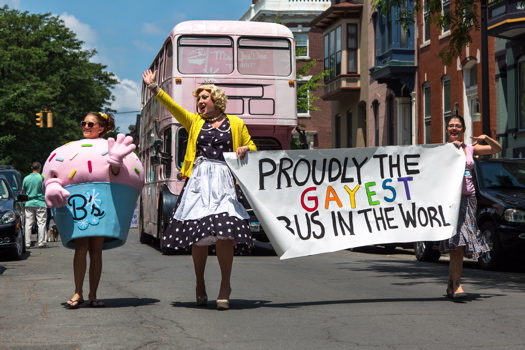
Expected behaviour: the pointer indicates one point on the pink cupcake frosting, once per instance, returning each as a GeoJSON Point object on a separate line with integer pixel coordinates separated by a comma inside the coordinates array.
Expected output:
{"type": "Point", "coordinates": [87, 161]}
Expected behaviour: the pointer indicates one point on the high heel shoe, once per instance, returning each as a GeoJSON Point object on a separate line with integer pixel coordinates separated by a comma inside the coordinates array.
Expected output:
{"type": "Point", "coordinates": [202, 300]}
{"type": "Point", "coordinates": [223, 304]}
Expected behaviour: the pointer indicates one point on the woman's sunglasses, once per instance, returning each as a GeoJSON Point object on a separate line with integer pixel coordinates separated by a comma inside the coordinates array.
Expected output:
{"type": "Point", "coordinates": [89, 124]}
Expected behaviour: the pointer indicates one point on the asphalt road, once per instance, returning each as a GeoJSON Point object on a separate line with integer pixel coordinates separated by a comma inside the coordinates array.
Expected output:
{"type": "Point", "coordinates": [344, 300]}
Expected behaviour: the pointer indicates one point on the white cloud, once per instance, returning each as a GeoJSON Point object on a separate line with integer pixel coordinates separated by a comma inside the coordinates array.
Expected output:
{"type": "Point", "coordinates": [13, 4]}
{"type": "Point", "coordinates": [144, 46]}
{"type": "Point", "coordinates": [82, 30]}
{"type": "Point", "coordinates": [127, 99]}
{"type": "Point", "coordinates": [152, 29]}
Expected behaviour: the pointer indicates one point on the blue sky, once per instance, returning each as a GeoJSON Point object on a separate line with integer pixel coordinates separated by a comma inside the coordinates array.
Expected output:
{"type": "Point", "coordinates": [127, 34]}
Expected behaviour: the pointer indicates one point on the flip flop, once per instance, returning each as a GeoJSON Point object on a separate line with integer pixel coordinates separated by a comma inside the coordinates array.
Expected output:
{"type": "Point", "coordinates": [96, 303]}
{"type": "Point", "coordinates": [74, 304]}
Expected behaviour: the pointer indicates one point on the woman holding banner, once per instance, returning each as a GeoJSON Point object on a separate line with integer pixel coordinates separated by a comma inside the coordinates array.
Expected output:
{"type": "Point", "coordinates": [468, 241]}
{"type": "Point", "coordinates": [208, 210]}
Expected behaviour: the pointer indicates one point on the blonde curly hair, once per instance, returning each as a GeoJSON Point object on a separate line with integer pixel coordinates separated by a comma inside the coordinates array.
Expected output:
{"type": "Point", "coordinates": [217, 94]}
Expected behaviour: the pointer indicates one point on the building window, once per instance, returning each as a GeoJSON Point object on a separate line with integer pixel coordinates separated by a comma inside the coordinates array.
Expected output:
{"type": "Point", "coordinates": [521, 93]}
{"type": "Point", "coordinates": [403, 41]}
{"type": "Point", "coordinates": [446, 104]}
{"type": "Point", "coordinates": [471, 79]}
{"type": "Point", "coordinates": [446, 96]}
{"type": "Point", "coordinates": [375, 110]}
{"type": "Point", "coordinates": [426, 21]}
{"type": "Point", "coordinates": [390, 119]}
{"type": "Point", "coordinates": [349, 131]}
{"type": "Point", "coordinates": [338, 131]}
{"type": "Point", "coordinates": [303, 96]}
{"type": "Point", "coordinates": [301, 44]}
{"type": "Point", "coordinates": [332, 53]}
{"type": "Point", "coordinates": [446, 11]}
{"type": "Point", "coordinates": [426, 96]}
{"type": "Point", "coordinates": [352, 47]}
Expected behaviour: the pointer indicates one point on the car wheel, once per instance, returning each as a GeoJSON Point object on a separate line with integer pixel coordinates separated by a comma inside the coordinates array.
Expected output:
{"type": "Point", "coordinates": [491, 260]}
{"type": "Point", "coordinates": [19, 248]}
{"type": "Point", "coordinates": [424, 251]}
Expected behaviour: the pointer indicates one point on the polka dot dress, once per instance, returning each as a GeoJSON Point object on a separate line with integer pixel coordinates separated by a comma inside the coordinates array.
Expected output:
{"type": "Point", "coordinates": [180, 234]}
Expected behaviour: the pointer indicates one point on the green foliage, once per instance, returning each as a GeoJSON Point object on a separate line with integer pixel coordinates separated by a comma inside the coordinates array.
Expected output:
{"type": "Point", "coordinates": [305, 92]}
{"type": "Point", "coordinates": [42, 64]}
{"type": "Point", "coordinates": [462, 17]}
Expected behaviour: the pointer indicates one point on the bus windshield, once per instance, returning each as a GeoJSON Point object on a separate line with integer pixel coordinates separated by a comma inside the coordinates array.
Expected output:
{"type": "Point", "coordinates": [215, 55]}
{"type": "Point", "coordinates": [264, 57]}
{"type": "Point", "coordinates": [200, 55]}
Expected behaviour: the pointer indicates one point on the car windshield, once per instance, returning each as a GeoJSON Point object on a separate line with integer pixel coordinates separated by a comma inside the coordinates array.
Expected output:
{"type": "Point", "coordinates": [503, 175]}
{"type": "Point", "coordinates": [4, 190]}
{"type": "Point", "coordinates": [11, 178]}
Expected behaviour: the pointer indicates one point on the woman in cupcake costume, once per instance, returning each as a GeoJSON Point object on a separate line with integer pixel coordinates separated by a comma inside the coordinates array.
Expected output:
{"type": "Point", "coordinates": [93, 185]}
{"type": "Point", "coordinates": [208, 210]}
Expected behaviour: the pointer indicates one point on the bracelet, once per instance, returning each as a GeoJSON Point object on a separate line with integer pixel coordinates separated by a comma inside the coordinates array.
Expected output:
{"type": "Point", "coordinates": [152, 86]}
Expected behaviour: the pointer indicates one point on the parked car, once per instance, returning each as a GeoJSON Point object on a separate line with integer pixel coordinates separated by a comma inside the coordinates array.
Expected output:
{"type": "Point", "coordinates": [500, 190]}
{"type": "Point", "coordinates": [12, 241]}
{"type": "Point", "coordinates": [13, 177]}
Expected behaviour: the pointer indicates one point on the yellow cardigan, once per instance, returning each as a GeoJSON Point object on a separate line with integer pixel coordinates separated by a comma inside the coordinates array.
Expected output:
{"type": "Point", "coordinates": [193, 122]}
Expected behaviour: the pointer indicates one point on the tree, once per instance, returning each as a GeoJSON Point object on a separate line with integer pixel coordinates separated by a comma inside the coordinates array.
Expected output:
{"type": "Point", "coordinates": [462, 17]}
{"type": "Point", "coordinates": [305, 93]}
{"type": "Point", "coordinates": [43, 65]}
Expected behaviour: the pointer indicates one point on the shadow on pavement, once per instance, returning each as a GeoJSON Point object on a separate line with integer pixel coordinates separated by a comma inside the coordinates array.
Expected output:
{"type": "Point", "coordinates": [120, 302]}
{"type": "Point", "coordinates": [241, 304]}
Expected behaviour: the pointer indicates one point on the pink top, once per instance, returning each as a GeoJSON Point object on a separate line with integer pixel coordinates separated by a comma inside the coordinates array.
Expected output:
{"type": "Point", "coordinates": [468, 184]}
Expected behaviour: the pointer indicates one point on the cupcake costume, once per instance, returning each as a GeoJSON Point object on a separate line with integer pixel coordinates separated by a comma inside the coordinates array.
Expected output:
{"type": "Point", "coordinates": [88, 200]}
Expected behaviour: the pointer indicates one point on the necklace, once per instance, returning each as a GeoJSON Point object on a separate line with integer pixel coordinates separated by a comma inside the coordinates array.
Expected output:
{"type": "Point", "coordinates": [211, 120]}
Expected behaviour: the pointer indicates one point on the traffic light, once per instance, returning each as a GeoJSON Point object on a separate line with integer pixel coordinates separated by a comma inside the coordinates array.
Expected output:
{"type": "Point", "coordinates": [49, 119]}
{"type": "Point", "coordinates": [40, 119]}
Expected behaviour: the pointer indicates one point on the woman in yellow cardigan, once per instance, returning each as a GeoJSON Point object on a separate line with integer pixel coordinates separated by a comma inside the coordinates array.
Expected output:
{"type": "Point", "coordinates": [208, 210]}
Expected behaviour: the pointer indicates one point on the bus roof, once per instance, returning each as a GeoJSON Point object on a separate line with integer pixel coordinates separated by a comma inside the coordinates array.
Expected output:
{"type": "Point", "coordinates": [245, 28]}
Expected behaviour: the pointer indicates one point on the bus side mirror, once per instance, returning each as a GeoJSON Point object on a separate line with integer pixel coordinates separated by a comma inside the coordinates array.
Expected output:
{"type": "Point", "coordinates": [158, 157]}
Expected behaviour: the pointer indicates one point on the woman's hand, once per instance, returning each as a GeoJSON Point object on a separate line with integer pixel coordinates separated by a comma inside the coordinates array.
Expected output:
{"type": "Point", "coordinates": [458, 144]}
{"type": "Point", "coordinates": [478, 139]}
{"type": "Point", "coordinates": [241, 152]}
{"type": "Point", "coordinates": [149, 76]}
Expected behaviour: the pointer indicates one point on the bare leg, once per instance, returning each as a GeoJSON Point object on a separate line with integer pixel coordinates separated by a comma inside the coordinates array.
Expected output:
{"type": "Point", "coordinates": [95, 265]}
{"type": "Point", "coordinates": [225, 258]}
{"type": "Point", "coordinates": [79, 266]}
{"type": "Point", "coordinates": [455, 270]}
{"type": "Point", "coordinates": [199, 255]}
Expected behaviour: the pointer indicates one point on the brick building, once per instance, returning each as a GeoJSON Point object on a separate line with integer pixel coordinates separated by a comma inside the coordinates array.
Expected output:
{"type": "Point", "coordinates": [297, 15]}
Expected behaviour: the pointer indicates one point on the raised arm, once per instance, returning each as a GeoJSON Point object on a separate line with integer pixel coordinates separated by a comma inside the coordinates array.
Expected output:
{"type": "Point", "coordinates": [491, 147]}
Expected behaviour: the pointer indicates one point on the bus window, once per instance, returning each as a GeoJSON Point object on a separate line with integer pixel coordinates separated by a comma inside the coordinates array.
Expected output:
{"type": "Point", "coordinates": [169, 60]}
{"type": "Point", "coordinates": [198, 55]}
{"type": "Point", "coordinates": [264, 57]}
{"type": "Point", "coordinates": [167, 149]}
{"type": "Point", "coordinates": [182, 142]}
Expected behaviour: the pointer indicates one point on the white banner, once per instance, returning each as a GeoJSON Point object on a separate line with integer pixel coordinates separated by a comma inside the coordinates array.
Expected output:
{"type": "Point", "coordinates": [319, 201]}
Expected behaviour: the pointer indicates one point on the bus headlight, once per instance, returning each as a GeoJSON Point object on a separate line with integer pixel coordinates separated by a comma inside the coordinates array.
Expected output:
{"type": "Point", "coordinates": [514, 215]}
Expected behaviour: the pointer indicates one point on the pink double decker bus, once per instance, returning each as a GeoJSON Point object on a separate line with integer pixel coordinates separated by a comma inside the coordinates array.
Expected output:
{"type": "Point", "coordinates": [253, 62]}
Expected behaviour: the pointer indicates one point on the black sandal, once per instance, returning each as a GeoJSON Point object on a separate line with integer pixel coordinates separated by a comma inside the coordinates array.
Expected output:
{"type": "Point", "coordinates": [74, 304]}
